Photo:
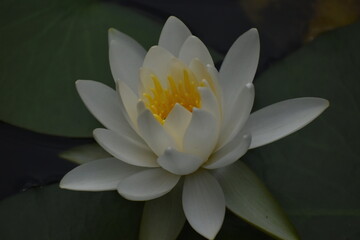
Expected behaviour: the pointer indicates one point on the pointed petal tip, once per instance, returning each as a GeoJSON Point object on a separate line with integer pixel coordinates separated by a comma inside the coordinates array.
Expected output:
{"type": "Point", "coordinates": [246, 136]}
{"type": "Point", "coordinates": [98, 131]}
{"type": "Point", "coordinates": [193, 38]}
{"type": "Point", "coordinates": [65, 184]}
{"type": "Point", "coordinates": [159, 48]}
{"type": "Point", "coordinates": [88, 83]}
{"type": "Point", "coordinates": [254, 30]}
{"type": "Point", "coordinates": [62, 185]}
{"type": "Point", "coordinates": [82, 81]}
{"type": "Point", "coordinates": [153, 47]}
{"type": "Point", "coordinates": [249, 85]}
{"type": "Point", "coordinates": [193, 48]}
{"type": "Point", "coordinates": [79, 81]}
{"type": "Point", "coordinates": [195, 109]}
{"type": "Point", "coordinates": [68, 186]}
{"type": "Point", "coordinates": [174, 19]}
{"type": "Point", "coordinates": [324, 103]}
{"type": "Point", "coordinates": [173, 35]}
{"type": "Point", "coordinates": [111, 32]}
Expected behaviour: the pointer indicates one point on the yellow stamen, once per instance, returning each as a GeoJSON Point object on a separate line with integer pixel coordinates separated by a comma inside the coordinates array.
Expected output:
{"type": "Point", "coordinates": [160, 101]}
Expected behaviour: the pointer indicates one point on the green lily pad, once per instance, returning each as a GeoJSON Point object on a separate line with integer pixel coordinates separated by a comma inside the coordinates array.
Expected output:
{"type": "Point", "coordinates": [247, 197]}
{"type": "Point", "coordinates": [84, 153]}
{"type": "Point", "coordinates": [314, 173]}
{"type": "Point", "coordinates": [56, 214]}
{"type": "Point", "coordinates": [46, 47]}
{"type": "Point", "coordinates": [53, 213]}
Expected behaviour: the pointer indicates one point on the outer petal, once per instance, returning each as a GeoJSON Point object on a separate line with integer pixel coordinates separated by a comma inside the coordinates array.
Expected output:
{"type": "Point", "coordinates": [248, 198]}
{"type": "Point", "coordinates": [193, 48]}
{"type": "Point", "coordinates": [209, 102]}
{"type": "Point", "coordinates": [239, 113]}
{"type": "Point", "coordinates": [204, 203]}
{"type": "Point", "coordinates": [153, 133]}
{"type": "Point", "coordinates": [177, 122]}
{"type": "Point", "coordinates": [230, 153]}
{"type": "Point", "coordinates": [140, 107]}
{"type": "Point", "coordinates": [207, 73]}
{"type": "Point", "coordinates": [104, 103]}
{"type": "Point", "coordinates": [201, 135]}
{"type": "Point", "coordinates": [239, 65]}
{"type": "Point", "coordinates": [147, 184]}
{"type": "Point", "coordinates": [283, 118]}
{"type": "Point", "coordinates": [214, 82]}
{"type": "Point", "coordinates": [125, 149]}
{"type": "Point", "coordinates": [173, 35]}
{"type": "Point", "coordinates": [157, 60]}
{"type": "Point", "coordinates": [179, 163]}
{"type": "Point", "coordinates": [130, 100]}
{"type": "Point", "coordinates": [163, 218]}
{"type": "Point", "coordinates": [99, 175]}
{"type": "Point", "coordinates": [126, 57]}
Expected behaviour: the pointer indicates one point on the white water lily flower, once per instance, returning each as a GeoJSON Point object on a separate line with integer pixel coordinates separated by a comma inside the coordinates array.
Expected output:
{"type": "Point", "coordinates": [174, 115]}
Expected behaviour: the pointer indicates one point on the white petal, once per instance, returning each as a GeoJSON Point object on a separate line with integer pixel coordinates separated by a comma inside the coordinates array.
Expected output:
{"type": "Point", "coordinates": [177, 122]}
{"type": "Point", "coordinates": [193, 48]}
{"type": "Point", "coordinates": [163, 218]}
{"type": "Point", "coordinates": [140, 107]}
{"type": "Point", "coordinates": [209, 102]}
{"type": "Point", "coordinates": [239, 65]}
{"type": "Point", "coordinates": [157, 60]}
{"type": "Point", "coordinates": [104, 103]}
{"type": "Point", "coordinates": [147, 184]}
{"type": "Point", "coordinates": [98, 175]}
{"type": "Point", "coordinates": [248, 198]}
{"type": "Point", "coordinates": [125, 149]}
{"type": "Point", "coordinates": [230, 153]}
{"type": "Point", "coordinates": [237, 114]}
{"type": "Point", "coordinates": [146, 81]}
{"type": "Point", "coordinates": [126, 57]}
{"type": "Point", "coordinates": [214, 82]}
{"type": "Point", "coordinates": [179, 163]}
{"type": "Point", "coordinates": [208, 73]}
{"type": "Point", "coordinates": [204, 203]}
{"type": "Point", "coordinates": [201, 135]}
{"type": "Point", "coordinates": [153, 133]}
{"type": "Point", "coordinates": [130, 100]}
{"type": "Point", "coordinates": [283, 118]}
{"type": "Point", "coordinates": [173, 35]}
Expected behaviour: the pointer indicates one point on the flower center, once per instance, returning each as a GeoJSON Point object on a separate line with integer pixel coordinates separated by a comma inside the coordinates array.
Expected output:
{"type": "Point", "coordinates": [181, 89]}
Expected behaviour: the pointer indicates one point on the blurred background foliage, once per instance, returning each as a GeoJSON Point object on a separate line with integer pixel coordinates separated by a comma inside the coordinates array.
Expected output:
{"type": "Point", "coordinates": [308, 48]}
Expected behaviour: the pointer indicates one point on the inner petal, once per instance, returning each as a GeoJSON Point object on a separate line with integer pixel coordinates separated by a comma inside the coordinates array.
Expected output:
{"type": "Point", "coordinates": [181, 88]}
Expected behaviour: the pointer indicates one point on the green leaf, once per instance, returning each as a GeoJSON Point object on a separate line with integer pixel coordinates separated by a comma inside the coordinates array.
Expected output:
{"type": "Point", "coordinates": [52, 213]}
{"type": "Point", "coordinates": [248, 197]}
{"type": "Point", "coordinates": [314, 173]}
{"type": "Point", "coordinates": [84, 153]}
{"type": "Point", "coordinates": [47, 46]}
{"type": "Point", "coordinates": [163, 218]}
{"type": "Point", "coordinates": [56, 214]}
